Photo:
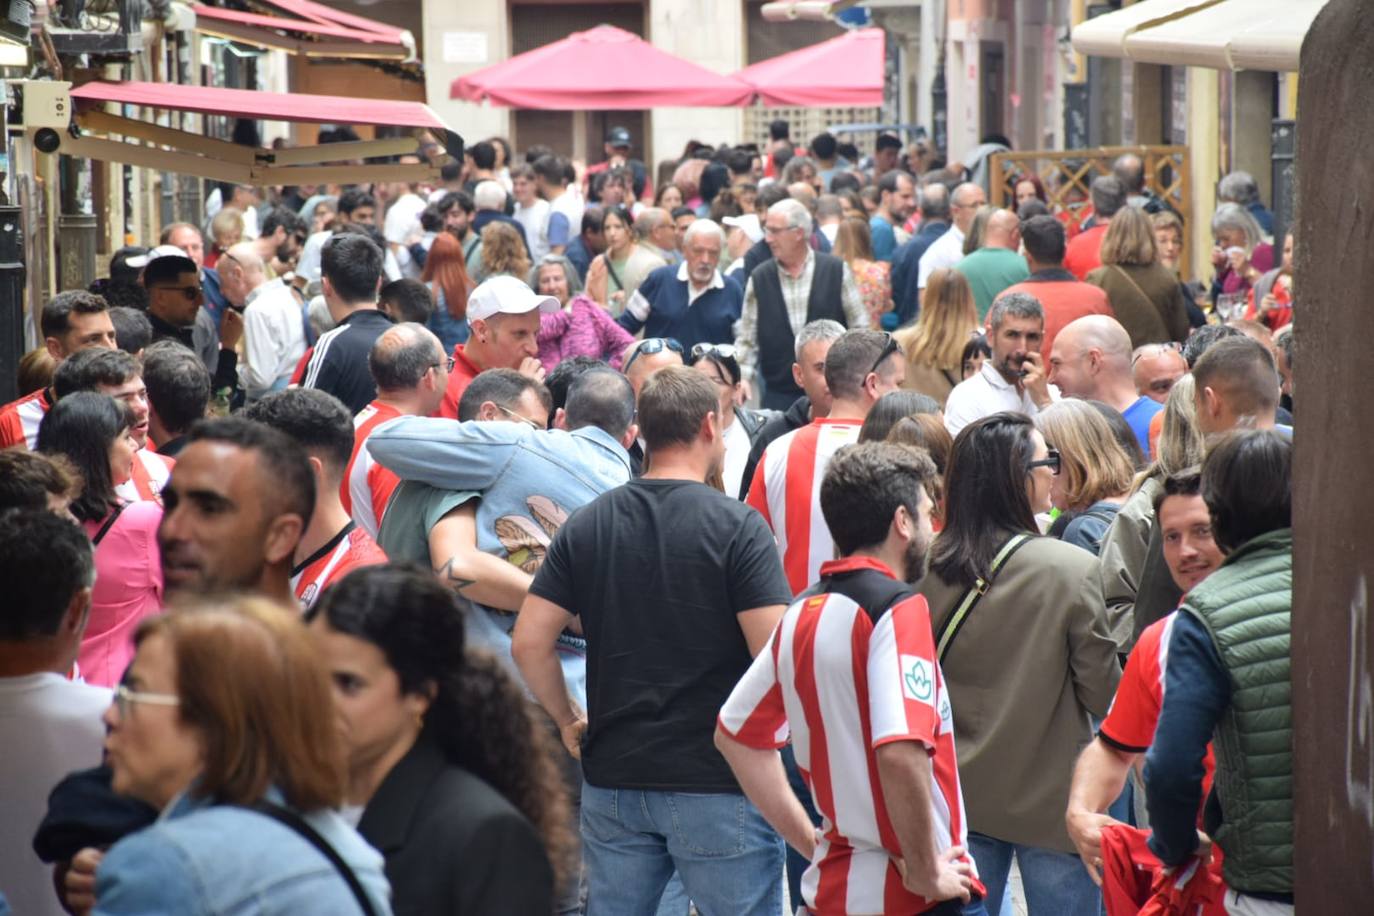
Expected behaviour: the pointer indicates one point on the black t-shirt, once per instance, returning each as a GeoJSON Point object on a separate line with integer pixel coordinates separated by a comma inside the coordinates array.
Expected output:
{"type": "Point", "coordinates": [338, 364]}
{"type": "Point", "coordinates": [658, 571]}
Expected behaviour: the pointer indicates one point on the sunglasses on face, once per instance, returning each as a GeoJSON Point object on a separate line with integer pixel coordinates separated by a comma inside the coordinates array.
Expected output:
{"type": "Point", "coordinates": [651, 346]}
{"type": "Point", "coordinates": [190, 293]}
{"type": "Point", "coordinates": [1051, 461]}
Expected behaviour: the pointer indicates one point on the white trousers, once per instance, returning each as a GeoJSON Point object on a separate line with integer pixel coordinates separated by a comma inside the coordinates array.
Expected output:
{"type": "Point", "coordinates": [1243, 905]}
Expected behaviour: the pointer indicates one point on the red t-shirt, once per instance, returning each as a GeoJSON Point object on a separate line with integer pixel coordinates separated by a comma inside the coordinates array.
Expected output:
{"type": "Point", "coordinates": [1084, 253]}
{"type": "Point", "coordinates": [464, 371]}
{"type": "Point", "coordinates": [345, 552]}
{"type": "Point", "coordinates": [1064, 300]}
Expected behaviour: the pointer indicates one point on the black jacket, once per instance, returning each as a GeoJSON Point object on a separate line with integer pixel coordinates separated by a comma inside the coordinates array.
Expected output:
{"type": "Point", "coordinates": [452, 843]}
{"type": "Point", "coordinates": [777, 426]}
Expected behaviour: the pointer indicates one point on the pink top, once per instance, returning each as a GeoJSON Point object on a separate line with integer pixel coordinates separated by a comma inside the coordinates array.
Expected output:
{"type": "Point", "coordinates": [586, 330]}
{"type": "Point", "coordinates": [128, 587]}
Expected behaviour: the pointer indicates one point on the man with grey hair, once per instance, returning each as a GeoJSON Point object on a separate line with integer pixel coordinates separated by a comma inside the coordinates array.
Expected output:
{"type": "Point", "coordinates": [1014, 378]}
{"type": "Point", "coordinates": [691, 302]}
{"type": "Point", "coordinates": [1084, 252]}
{"type": "Point", "coordinates": [793, 288]}
{"type": "Point", "coordinates": [948, 249]}
{"type": "Point", "coordinates": [655, 230]}
{"type": "Point", "coordinates": [410, 369]}
{"type": "Point", "coordinates": [933, 202]}
{"type": "Point", "coordinates": [1240, 188]}
{"type": "Point", "coordinates": [273, 322]}
{"type": "Point", "coordinates": [812, 346]}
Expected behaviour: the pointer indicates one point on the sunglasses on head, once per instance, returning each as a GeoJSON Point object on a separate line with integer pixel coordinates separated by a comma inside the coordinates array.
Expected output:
{"type": "Point", "coordinates": [888, 349]}
{"type": "Point", "coordinates": [653, 345]}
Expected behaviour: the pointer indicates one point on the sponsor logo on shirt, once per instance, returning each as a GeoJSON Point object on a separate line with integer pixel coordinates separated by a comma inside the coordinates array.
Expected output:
{"type": "Point", "coordinates": [918, 679]}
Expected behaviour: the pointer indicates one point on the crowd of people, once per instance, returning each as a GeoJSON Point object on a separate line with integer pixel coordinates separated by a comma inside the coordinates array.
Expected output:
{"type": "Point", "coordinates": [797, 531]}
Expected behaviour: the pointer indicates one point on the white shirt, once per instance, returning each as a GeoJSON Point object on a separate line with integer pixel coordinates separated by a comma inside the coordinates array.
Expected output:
{"type": "Point", "coordinates": [737, 446]}
{"type": "Point", "coordinates": [535, 219]}
{"type": "Point", "coordinates": [308, 266]}
{"type": "Point", "coordinates": [570, 205]}
{"type": "Point", "coordinates": [273, 339]}
{"type": "Point", "coordinates": [830, 231]}
{"type": "Point", "coordinates": [403, 218]}
{"type": "Point", "coordinates": [985, 394]}
{"type": "Point", "coordinates": [49, 726]}
{"type": "Point", "coordinates": [946, 251]}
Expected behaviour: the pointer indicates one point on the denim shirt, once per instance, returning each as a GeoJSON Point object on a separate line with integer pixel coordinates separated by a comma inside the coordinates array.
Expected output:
{"type": "Point", "coordinates": [200, 858]}
{"type": "Point", "coordinates": [529, 482]}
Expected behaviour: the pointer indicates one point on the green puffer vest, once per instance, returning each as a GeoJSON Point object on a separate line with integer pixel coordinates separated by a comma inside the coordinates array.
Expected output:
{"type": "Point", "coordinates": [1245, 606]}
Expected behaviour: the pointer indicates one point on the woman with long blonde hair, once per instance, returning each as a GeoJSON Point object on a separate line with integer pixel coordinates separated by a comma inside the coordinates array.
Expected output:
{"type": "Point", "coordinates": [934, 343]}
{"type": "Point", "coordinates": [1093, 476]}
{"type": "Point", "coordinates": [446, 274]}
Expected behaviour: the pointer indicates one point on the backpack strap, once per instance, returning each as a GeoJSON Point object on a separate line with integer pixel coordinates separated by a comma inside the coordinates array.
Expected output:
{"type": "Point", "coordinates": [945, 637]}
{"type": "Point", "coordinates": [288, 818]}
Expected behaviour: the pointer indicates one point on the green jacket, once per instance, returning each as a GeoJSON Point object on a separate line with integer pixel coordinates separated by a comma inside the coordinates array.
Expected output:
{"type": "Point", "coordinates": [1245, 606]}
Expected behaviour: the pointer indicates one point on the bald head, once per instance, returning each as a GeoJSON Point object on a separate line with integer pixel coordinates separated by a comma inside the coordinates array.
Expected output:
{"type": "Point", "coordinates": [803, 192]}
{"type": "Point", "coordinates": [241, 270]}
{"type": "Point", "coordinates": [1091, 359]}
{"type": "Point", "coordinates": [246, 256]}
{"type": "Point", "coordinates": [1130, 169]}
{"type": "Point", "coordinates": [1003, 231]}
{"type": "Point", "coordinates": [1156, 368]}
{"type": "Point", "coordinates": [408, 362]}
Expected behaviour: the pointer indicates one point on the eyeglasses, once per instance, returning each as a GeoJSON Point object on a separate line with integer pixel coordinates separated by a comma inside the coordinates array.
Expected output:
{"type": "Point", "coordinates": [124, 698]}
{"type": "Point", "coordinates": [190, 292]}
{"type": "Point", "coordinates": [724, 351]}
{"type": "Point", "coordinates": [650, 346]}
{"type": "Point", "coordinates": [891, 347]}
{"type": "Point", "coordinates": [448, 364]}
{"type": "Point", "coordinates": [1152, 350]}
{"type": "Point", "coordinates": [515, 416]}
{"type": "Point", "coordinates": [1051, 462]}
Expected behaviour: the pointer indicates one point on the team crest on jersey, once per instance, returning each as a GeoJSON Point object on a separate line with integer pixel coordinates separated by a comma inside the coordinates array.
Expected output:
{"type": "Point", "coordinates": [918, 679]}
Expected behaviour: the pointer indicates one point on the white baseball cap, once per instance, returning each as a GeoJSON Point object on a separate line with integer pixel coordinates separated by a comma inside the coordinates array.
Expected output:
{"type": "Point", "coordinates": [749, 223]}
{"type": "Point", "coordinates": [505, 295]}
{"type": "Point", "coordinates": [161, 251]}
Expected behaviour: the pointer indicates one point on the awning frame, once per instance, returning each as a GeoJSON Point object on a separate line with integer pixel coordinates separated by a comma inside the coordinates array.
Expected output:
{"type": "Point", "coordinates": [93, 131]}
{"type": "Point", "coordinates": [275, 35]}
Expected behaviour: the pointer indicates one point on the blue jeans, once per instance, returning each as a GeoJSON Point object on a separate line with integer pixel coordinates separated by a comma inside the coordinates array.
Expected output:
{"type": "Point", "coordinates": [729, 859]}
{"type": "Point", "coordinates": [1056, 883]}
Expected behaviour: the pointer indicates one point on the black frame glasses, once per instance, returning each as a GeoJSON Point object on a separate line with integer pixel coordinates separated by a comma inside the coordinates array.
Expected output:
{"type": "Point", "coordinates": [190, 293]}
{"type": "Point", "coordinates": [888, 349]}
{"type": "Point", "coordinates": [651, 345]}
{"type": "Point", "coordinates": [450, 362]}
{"type": "Point", "coordinates": [1052, 462]}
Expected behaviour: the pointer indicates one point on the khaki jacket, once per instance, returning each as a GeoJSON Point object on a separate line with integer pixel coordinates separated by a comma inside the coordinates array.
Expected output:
{"type": "Point", "coordinates": [1030, 664]}
{"type": "Point", "coordinates": [1121, 559]}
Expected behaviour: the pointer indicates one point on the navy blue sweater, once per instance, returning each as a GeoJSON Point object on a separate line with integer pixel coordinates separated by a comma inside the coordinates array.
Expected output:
{"type": "Point", "coordinates": [709, 319]}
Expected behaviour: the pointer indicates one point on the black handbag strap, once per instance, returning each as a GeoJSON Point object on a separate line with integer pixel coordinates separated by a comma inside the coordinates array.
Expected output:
{"type": "Point", "coordinates": [288, 818]}
{"type": "Point", "coordinates": [945, 637]}
{"type": "Point", "coordinates": [108, 524]}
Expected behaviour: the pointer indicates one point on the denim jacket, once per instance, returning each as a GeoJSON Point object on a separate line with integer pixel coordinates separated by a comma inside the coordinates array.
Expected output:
{"type": "Point", "coordinates": [200, 859]}
{"type": "Point", "coordinates": [529, 482]}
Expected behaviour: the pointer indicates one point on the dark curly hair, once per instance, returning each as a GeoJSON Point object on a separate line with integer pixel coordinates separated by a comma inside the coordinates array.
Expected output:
{"type": "Point", "coordinates": [479, 717]}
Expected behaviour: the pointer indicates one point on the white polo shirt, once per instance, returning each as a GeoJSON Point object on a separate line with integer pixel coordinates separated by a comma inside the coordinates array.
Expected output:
{"type": "Point", "coordinates": [985, 394]}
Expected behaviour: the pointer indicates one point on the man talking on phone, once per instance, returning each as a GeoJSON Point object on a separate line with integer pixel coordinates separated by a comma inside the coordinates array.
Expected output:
{"type": "Point", "coordinates": [1015, 378]}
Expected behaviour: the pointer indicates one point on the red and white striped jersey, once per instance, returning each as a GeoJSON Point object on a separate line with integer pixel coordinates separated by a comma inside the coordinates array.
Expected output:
{"type": "Point", "coordinates": [346, 551]}
{"type": "Point", "coordinates": [367, 486]}
{"type": "Point", "coordinates": [150, 474]}
{"type": "Point", "coordinates": [787, 492]}
{"type": "Point", "coordinates": [852, 666]}
{"type": "Point", "coordinates": [19, 419]}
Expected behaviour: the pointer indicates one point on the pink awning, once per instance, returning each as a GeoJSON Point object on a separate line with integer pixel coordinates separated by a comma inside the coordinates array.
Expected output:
{"type": "Point", "coordinates": [845, 71]}
{"type": "Point", "coordinates": [269, 106]}
{"type": "Point", "coordinates": [602, 69]}
{"type": "Point", "coordinates": [318, 12]}
{"type": "Point", "coordinates": [258, 20]}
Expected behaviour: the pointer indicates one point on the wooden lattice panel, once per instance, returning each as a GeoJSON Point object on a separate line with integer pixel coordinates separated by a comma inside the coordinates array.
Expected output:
{"type": "Point", "coordinates": [1068, 175]}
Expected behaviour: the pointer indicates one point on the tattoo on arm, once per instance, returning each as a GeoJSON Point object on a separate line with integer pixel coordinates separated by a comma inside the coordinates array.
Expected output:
{"type": "Point", "coordinates": [447, 576]}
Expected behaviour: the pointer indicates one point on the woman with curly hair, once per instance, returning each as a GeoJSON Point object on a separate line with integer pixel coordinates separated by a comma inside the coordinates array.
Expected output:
{"type": "Point", "coordinates": [444, 759]}
{"type": "Point", "coordinates": [503, 252]}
